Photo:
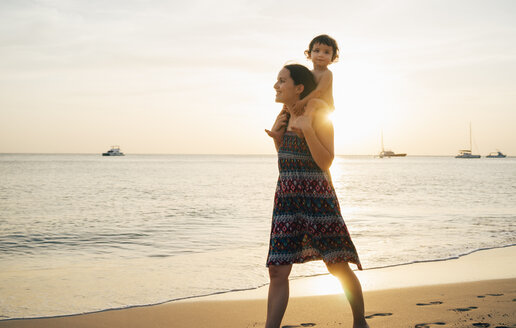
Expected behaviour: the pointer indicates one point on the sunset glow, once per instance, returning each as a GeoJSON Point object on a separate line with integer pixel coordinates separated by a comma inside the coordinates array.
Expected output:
{"type": "Point", "coordinates": [197, 77]}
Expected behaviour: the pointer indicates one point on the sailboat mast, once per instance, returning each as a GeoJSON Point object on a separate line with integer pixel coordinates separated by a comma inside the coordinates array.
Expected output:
{"type": "Point", "coordinates": [470, 146]}
{"type": "Point", "coordinates": [382, 140]}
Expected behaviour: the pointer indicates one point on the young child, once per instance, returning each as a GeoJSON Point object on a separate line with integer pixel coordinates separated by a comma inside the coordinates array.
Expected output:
{"type": "Point", "coordinates": [322, 51]}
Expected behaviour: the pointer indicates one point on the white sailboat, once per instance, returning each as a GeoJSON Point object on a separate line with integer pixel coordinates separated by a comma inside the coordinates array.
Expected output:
{"type": "Point", "coordinates": [467, 153]}
{"type": "Point", "coordinates": [389, 153]}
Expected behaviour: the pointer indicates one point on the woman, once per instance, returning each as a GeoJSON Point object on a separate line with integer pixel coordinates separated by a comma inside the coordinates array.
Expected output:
{"type": "Point", "coordinates": [306, 224]}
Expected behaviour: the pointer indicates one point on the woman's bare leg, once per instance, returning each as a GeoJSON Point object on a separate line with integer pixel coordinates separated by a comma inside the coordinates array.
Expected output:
{"type": "Point", "coordinates": [353, 291]}
{"type": "Point", "coordinates": [278, 294]}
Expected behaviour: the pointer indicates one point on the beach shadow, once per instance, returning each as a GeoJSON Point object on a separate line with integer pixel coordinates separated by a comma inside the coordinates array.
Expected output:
{"type": "Point", "coordinates": [308, 324]}
{"type": "Point", "coordinates": [481, 324]}
{"type": "Point", "coordinates": [378, 315]}
{"type": "Point", "coordinates": [429, 325]}
{"type": "Point", "coordinates": [431, 303]}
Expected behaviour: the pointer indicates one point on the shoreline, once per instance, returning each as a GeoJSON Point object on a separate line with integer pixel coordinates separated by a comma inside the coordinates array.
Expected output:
{"type": "Point", "coordinates": [488, 303]}
{"type": "Point", "coordinates": [319, 284]}
{"type": "Point", "coordinates": [257, 154]}
{"type": "Point", "coordinates": [457, 269]}
{"type": "Point", "coordinates": [489, 267]}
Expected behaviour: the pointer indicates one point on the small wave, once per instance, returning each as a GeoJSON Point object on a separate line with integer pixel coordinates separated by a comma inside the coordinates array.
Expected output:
{"type": "Point", "coordinates": [441, 259]}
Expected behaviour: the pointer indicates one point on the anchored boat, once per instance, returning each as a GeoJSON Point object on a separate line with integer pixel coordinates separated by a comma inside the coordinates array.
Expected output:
{"type": "Point", "coordinates": [466, 153]}
{"type": "Point", "coordinates": [114, 151]}
{"type": "Point", "coordinates": [496, 154]}
{"type": "Point", "coordinates": [389, 153]}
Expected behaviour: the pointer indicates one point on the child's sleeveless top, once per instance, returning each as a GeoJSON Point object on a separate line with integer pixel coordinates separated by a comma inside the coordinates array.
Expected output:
{"type": "Point", "coordinates": [306, 222]}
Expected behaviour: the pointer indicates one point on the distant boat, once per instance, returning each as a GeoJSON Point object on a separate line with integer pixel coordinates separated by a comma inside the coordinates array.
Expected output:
{"type": "Point", "coordinates": [114, 151]}
{"type": "Point", "coordinates": [496, 154]}
{"type": "Point", "coordinates": [466, 153]}
{"type": "Point", "coordinates": [389, 153]}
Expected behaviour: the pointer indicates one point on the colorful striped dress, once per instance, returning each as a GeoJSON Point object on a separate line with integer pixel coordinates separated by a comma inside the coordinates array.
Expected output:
{"type": "Point", "coordinates": [306, 222]}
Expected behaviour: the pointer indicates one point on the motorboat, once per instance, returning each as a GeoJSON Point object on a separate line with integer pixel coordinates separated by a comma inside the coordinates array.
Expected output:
{"type": "Point", "coordinates": [496, 154]}
{"type": "Point", "coordinates": [114, 151]}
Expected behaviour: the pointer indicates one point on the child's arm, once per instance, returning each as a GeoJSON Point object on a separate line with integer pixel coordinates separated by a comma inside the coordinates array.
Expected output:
{"type": "Point", "coordinates": [324, 84]}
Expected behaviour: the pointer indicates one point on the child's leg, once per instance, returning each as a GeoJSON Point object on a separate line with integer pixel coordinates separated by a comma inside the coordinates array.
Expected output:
{"type": "Point", "coordinates": [275, 134]}
{"type": "Point", "coordinates": [313, 104]}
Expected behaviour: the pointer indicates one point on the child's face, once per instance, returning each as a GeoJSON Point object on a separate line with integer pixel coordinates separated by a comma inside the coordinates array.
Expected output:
{"type": "Point", "coordinates": [321, 54]}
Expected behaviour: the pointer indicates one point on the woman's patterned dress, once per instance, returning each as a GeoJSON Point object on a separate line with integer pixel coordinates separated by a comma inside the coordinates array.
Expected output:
{"type": "Point", "coordinates": [306, 220]}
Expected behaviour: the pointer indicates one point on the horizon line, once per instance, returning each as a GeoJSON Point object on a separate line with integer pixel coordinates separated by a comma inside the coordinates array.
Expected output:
{"type": "Point", "coordinates": [217, 154]}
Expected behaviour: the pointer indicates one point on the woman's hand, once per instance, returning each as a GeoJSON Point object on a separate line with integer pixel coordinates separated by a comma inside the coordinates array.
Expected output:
{"type": "Point", "coordinates": [317, 130]}
{"type": "Point", "coordinates": [304, 122]}
{"type": "Point", "coordinates": [278, 129]}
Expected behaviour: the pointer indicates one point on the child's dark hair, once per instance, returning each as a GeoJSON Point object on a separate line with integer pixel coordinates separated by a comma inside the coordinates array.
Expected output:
{"type": "Point", "coordinates": [327, 40]}
{"type": "Point", "coordinates": [302, 75]}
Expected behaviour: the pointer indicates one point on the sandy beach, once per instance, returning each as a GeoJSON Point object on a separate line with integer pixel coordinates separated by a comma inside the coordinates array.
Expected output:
{"type": "Point", "coordinates": [476, 290]}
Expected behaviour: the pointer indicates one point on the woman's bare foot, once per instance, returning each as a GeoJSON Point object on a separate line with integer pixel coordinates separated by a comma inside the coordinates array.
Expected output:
{"type": "Point", "coordinates": [361, 325]}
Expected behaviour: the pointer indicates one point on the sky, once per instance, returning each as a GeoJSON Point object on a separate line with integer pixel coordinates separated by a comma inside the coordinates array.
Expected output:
{"type": "Point", "coordinates": [196, 77]}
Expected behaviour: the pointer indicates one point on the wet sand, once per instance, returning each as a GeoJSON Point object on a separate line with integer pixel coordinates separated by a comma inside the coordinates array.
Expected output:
{"type": "Point", "coordinates": [481, 303]}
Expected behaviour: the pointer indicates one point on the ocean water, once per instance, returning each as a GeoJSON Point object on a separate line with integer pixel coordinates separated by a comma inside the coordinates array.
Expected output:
{"type": "Point", "coordinates": [82, 233]}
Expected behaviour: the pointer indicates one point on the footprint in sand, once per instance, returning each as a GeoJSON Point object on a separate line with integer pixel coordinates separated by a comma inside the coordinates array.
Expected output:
{"type": "Point", "coordinates": [431, 303]}
{"type": "Point", "coordinates": [378, 315]}
{"type": "Point", "coordinates": [464, 309]}
{"type": "Point", "coordinates": [481, 324]}
{"type": "Point", "coordinates": [483, 296]}
{"type": "Point", "coordinates": [428, 325]}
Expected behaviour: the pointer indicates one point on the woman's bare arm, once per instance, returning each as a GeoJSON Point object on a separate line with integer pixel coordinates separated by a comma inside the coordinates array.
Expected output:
{"type": "Point", "coordinates": [318, 132]}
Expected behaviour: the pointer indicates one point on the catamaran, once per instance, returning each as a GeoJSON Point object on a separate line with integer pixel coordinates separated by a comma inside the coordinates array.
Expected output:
{"type": "Point", "coordinates": [389, 153]}
{"type": "Point", "coordinates": [466, 153]}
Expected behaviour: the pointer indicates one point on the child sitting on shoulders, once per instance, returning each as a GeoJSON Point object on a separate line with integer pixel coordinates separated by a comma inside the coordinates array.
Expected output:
{"type": "Point", "coordinates": [322, 51]}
